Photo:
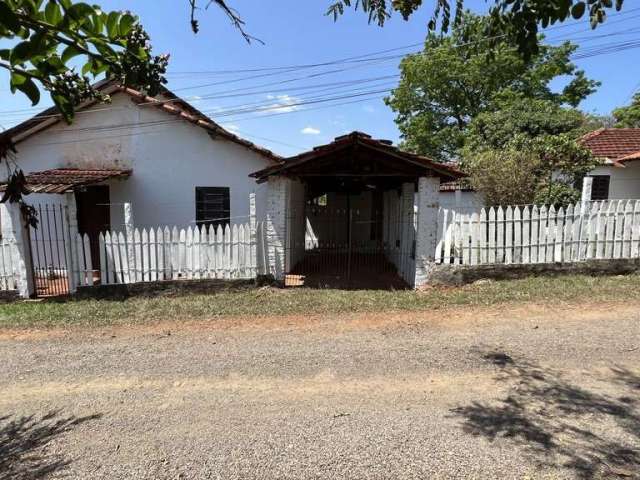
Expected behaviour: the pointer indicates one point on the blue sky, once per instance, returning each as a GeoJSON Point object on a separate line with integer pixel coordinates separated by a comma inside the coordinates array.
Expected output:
{"type": "Point", "coordinates": [298, 33]}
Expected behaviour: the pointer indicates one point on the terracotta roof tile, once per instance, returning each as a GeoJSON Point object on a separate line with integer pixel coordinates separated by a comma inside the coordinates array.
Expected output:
{"type": "Point", "coordinates": [62, 180]}
{"type": "Point", "coordinates": [613, 143]}
{"type": "Point", "coordinates": [173, 106]}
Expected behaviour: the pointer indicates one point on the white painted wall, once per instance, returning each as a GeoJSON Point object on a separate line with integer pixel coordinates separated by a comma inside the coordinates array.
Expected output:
{"type": "Point", "coordinates": [624, 183]}
{"type": "Point", "coordinates": [469, 201]}
{"type": "Point", "coordinates": [169, 159]}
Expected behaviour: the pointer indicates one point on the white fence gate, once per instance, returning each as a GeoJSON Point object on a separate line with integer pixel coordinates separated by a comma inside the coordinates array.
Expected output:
{"type": "Point", "coordinates": [532, 234]}
{"type": "Point", "coordinates": [165, 253]}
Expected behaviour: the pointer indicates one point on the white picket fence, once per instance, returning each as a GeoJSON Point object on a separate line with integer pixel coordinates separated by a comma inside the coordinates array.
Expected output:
{"type": "Point", "coordinates": [8, 255]}
{"type": "Point", "coordinates": [532, 234]}
{"type": "Point", "coordinates": [165, 253]}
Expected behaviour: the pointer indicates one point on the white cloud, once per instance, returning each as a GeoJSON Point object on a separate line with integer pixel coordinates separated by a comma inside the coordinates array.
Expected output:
{"type": "Point", "coordinates": [231, 127]}
{"type": "Point", "coordinates": [281, 103]}
{"type": "Point", "coordinates": [368, 109]}
{"type": "Point", "coordinates": [310, 131]}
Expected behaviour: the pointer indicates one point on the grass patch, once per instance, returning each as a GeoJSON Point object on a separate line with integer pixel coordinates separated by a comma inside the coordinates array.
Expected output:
{"type": "Point", "coordinates": [308, 301]}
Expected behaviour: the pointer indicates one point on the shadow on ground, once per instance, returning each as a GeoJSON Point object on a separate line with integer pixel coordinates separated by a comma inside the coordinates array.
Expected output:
{"type": "Point", "coordinates": [25, 445]}
{"type": "Point", "coordinates": [561, 424]}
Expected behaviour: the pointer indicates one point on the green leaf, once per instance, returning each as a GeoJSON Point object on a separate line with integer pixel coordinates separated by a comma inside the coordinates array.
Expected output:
{"type": "Point", "coordinates": [112, 24]}
{"type": "Point", "coordinates": [17, 79]}
{"type": "Point", "coordinates": [86, 68]}
{"type": "Point", "coordinates": [8, 19]}
{"type": "Point", "coordinates": [52, 13]}
{"type": "Point", "coordinates": [21, 52]}
{"type": "Point", "coordinates": [69, 53]}
{"type": "Point", "coordinates": [126, 22]}
{"type": "Point", "coordinates": [577, 11]}
{"type": "Point", "coordinates": [80, 11]}
{"type": "Point", "coordinates": [30, 89]}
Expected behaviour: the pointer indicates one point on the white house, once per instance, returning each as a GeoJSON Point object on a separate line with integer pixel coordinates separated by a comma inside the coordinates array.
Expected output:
{"type": "Point", "coordinates": [170, 162]}
{"type": "Point", "coordinates": [618, 177]}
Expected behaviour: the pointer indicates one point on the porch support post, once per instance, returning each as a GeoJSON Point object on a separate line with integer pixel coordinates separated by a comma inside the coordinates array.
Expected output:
{"type": "Point", "coordinates": [407, 232]}
{"type": "Point", "coordinates": [426, 236]}
{"type": "Point", "coordinates": [15, 232]}
{"type": "Point", "coordinates": [72, 221]}
{"type": "Point", "coordinates": [277, 202]}
{"type": "Point", "coordinates": [587, 185]}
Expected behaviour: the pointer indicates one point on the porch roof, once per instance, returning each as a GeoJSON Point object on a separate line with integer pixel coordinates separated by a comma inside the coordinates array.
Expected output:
{"type": "Point", "coordinates": [328, 160]}
{"type": "Point", "coordinates": [62, 180]}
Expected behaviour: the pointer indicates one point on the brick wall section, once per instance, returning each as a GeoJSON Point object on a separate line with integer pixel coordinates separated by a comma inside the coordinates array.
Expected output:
{"type": "Point", "coordinates": [427, 230]}
{"type": "Point", "coordinates": [276, 231]}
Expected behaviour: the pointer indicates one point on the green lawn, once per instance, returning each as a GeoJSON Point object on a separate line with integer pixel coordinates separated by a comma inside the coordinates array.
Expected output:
{"type": "Point", "coordinates": [269, 301]}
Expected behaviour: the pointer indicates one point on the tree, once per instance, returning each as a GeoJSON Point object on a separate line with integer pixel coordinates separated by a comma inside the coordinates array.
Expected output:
{"type": "Point", "coordinates": [456, 78]}
{"type": "Point", "coordinates": [629, 116]}
{"type": "Point", "coordinates": [535, 135]}
{"type": "Point", "coordinates": [60, 46]}
{"type": "Point", "coordinates": [518, 19]}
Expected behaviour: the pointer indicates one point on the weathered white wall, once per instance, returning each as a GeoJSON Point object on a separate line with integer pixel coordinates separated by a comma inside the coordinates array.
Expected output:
{"type": "Point", "coordinates": [469, 202]}
{"type": "Point", "coordinates": [169, 159]}
{"type": "Point", "coordinates": [624, 183]}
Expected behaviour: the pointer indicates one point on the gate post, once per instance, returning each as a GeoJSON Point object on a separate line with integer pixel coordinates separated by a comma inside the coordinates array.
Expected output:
{"type": "Point", "coordinates": [278, 195]}
{"type": "Point", "coordinates": [427, 231]}
{"type": "Point", "coordinates": [16, 232]}
{"type": "Point", "coordinates": [72, 222]}
{"type": "Point", "coordinates": [406, 232]}
{"type": "Point", "coordinates": [129, 228]}
{"type": "Point", "coordinates": [253, 227]}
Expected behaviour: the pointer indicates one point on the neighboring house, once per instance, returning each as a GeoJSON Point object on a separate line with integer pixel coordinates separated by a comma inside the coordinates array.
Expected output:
{"type": "Point", "coordinates": [619, 175]}
{"type": "Point", "coordinates": [172, 163]}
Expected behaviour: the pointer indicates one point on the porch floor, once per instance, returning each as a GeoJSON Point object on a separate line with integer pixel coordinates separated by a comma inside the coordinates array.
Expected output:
{"type": "Point", "coordinates": [369, 271]}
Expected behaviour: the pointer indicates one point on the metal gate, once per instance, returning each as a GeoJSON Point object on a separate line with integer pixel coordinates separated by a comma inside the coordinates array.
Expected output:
{"type": "Point", "coordinates": [50, 250]}
{"type": "Point", "coordinates": [350, 247]}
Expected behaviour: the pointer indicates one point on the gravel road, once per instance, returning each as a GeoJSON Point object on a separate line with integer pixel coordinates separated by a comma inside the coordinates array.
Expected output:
{"type": "Point", "coordinates": [524, 393]}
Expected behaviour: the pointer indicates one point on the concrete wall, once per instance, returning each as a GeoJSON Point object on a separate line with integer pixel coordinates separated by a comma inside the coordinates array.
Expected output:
{"type": "Point", "coordinates": [169, 159]}
{"type": "Point", "coordinates": [624, 183]}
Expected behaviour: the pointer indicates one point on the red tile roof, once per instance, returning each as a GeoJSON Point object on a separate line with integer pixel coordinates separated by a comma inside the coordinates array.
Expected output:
{"type": "Point", "coordinates": [614, 144]}
{"type": "Point", "coordinates": [447, 172]}
{"type": "Point", "coordinates": [173, 106]}
{"type": "Point", "coordinates": [62, 180]}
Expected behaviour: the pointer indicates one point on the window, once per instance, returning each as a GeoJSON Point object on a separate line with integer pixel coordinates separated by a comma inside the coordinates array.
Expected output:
{"type": "Point", "coordinates": [212, 206]}
{"type": "Point", "coordinates": [600, 187]}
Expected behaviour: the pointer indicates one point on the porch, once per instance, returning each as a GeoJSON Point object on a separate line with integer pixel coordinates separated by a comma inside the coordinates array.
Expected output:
{"type": "Point", "coordinates": [347, 215]}
{"type": "Point", "coordinates": [66, 202]}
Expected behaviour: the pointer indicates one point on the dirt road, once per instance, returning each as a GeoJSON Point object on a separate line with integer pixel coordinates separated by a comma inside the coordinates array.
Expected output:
{"type": "Point", "coordinates": [528, 392]}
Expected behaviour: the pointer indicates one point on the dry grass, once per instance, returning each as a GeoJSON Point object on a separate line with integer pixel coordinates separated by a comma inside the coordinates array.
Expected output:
{"type": "Point", "coordinates": [269, 302]}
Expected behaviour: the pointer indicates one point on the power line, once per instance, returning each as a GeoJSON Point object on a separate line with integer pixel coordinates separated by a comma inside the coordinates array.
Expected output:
{"type": "Point", "coordinates": [245, 91]}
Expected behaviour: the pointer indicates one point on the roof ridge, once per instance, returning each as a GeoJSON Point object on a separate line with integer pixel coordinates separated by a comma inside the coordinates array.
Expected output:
{"type": "Point", "coordinates": [194, 116]}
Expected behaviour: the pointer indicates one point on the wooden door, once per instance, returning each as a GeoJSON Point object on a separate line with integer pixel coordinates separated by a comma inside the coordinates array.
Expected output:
{"type": "Point", "coordinates": [94, 216]}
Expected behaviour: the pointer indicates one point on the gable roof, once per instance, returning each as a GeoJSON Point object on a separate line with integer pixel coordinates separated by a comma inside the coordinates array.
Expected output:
{"type": "Point", "coordinates": [444, 171]}
{"type": "Point", "coordinates": [616, 145]}
{"type": "Point", "coordinates": [174, 105]}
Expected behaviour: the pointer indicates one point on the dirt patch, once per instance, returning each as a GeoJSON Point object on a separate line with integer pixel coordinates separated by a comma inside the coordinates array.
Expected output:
{"type": "Point", "coordinates": [452, 318]}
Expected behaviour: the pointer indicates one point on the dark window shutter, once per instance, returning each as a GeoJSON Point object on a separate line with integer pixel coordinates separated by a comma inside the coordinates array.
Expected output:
{"type": "Point", "coordinates": [213, 206]}
{"type": "Point", "coordinates": [600, 187]}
